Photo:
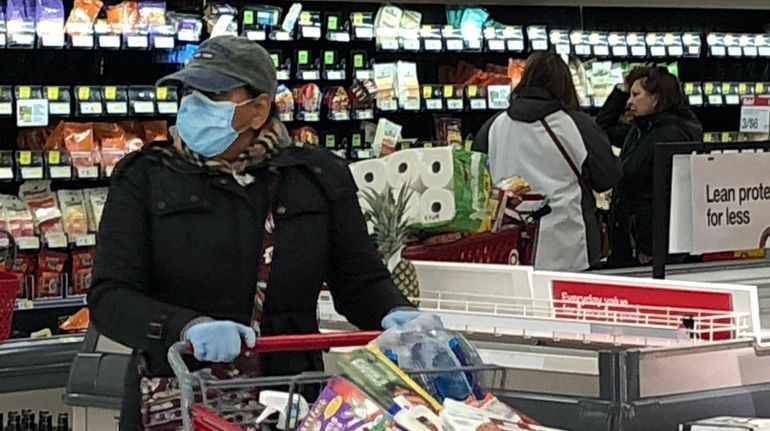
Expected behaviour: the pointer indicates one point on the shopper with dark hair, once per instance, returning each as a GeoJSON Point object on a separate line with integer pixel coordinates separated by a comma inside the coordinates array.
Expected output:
{"type": "Point", "coordinates": [228, 232]}
{"type": "Point", "coordinates": [561, 152]}
{"type": "Point", "coordinates": [657, 104]}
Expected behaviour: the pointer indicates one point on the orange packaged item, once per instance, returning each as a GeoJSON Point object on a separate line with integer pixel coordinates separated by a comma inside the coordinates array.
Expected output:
{"type": "Point", "coordinates": [109, 136]}
{"type": "Point", "coordinates": [42, 202]}
{"type": "Point", "coordinates": [135, 135]}
{"type": "Point", "coordinates": [82, 267]}
{"type": "Point", "coordinates": [74, 216]}
{"type": "Point", "coordinates": [83, 16]}
{"type": "Point", "coordinates": [78, 136]}
{"type": "Point", "coordinates": [78, 322]}
{"type": "Point", "coordinates": [50, 267]}
{"type": "Point", "coordinates": [124, 17]}
{"type": "Point", "coordinates": [25, 266]}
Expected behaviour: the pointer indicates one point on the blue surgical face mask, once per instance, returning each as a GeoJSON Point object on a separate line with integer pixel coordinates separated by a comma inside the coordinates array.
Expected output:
{"type": "Point", "coordinates": [206, 126]}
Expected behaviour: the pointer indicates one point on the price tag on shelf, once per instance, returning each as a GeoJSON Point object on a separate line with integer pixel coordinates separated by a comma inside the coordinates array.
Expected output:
{"type": "Point", "coordinates": [693, 51]}
{"type": "Point", "coordinates": [28, 242]}
{"type": "Point", "coordinates": [311, 32]}
{"type": "Point", "coordinates": [434, 104]}
{"type": "Point", "coordinates": [6, 108]}
{"type": "Point", "coordinates": [339, 116]}
{"type": "Point", "coordinates": [282, 36]}
{"type": "Point", "coordinates": [455, 104]}
{"type": "Point", "coordinates": [715, 99]}
{"type": "Point", "coordinates": [286, 116]}
{"type": "Point", "coordinates": [764, 51]}
{"type": "Point", "coordinates": [433, 45]}
{"type": "Point", "coordinates": [364, 33]}
{"type": "Point", "coordinates": [2, 40]}
{"type": "Point", "coordinates": [88, 240]}
{"type": "Point", "coordinates": [658, 51]}
{"type": "Point", "coordinates": [675, 51]}
{"type": "Point", "coordinates": [732, 99]}
{"type": "Point", "coordinates": [540, 45]}
{"type": "Point", "coordinates": [312, 116]}
{"type": "Point", "coordinates": [478, 104]}
{"type": "Point", "coordinates": [54, 157]}
{"type": "Point", "coordinates": [6, 173]}
{"type": "Point", "coordinates": [144, 107]}
{"type": "Point", "coordinates": [168, 108]}
{"type": "Point", "coordinates": [411, 44]}
{"type": "Point", "coordinates": [496, 45]}
{"type": "Point", "coordinates": [564, 49]}
{"type": "Point", "coordinates": [735, 51]}
{"type": "Point", "coordinates": [755, 119]}
{"type": "Point", "coordinates": [52, 40]}
{"type": "Point", "coordinates": [88, 172]}
{"type": "Point", "coordinates": [364, 114]}
{"type": "Point", "coordinates": [339, 36]}
{"type": "Point", "coordinates": [310, 75]}
{"type": "Point", "coordinates": [515, 45]}
{"type": "Point", "coordinates": [117, 108]}
{"type": "Point", "coordinates": [696, 100]}
{"type": "Point", "coordinates": [163, 42]}
{"type": "Point", "coordinates": [32, 173]}
{"type": "Point", "coordinates": [751, 51]}
{"type": "Point", "coordinates": [718, 51]}
{"type": "Point", "coordinates": [620, 51]}
{"type": "Point", "coordinates": [59, 108]}
{"type": "Point", "coordinates": [110, 93]}
{"type": "Point", "coordinates": [412, 105]}
{"type": "Point", "coordinates": [91, 108]}
{"type": "Point", "coordinates": [389, 44]}
{"type": "Point", "coordinates": [364, 154]}
{"type": "Point", "coordinates": [109, 41]}
{"type": "Point", "coordinates": [137, 42]}
{"type": "Point", "coordinates": [23, 39]}
{"type": "Point", "coordinates": [25, 92]}
{"type": "Point", "coordinates": [24, 304]}
{"type": "Point", "coordinates": [601, 51]}
{"type": "Point", "coordinates": [474, 44]}
{"type": "Point", "coordinates": [584, 50]}
{"type": "Point", "coordinates": [60, 172]}
{"type": "Point", "coordinates": [363, 74]}
{"type": "Point", "coordinates": [335, 75]}
{"type": "Point", "coordinates": [56, 240]}
{"type": "Point", "coordinates": [454, 45]}
{"type": "Point", "coordinates": [638, 51]}
{"type": "Point", "coordinates": [388, 105]}
{"type": "Point", "coordinates": [282, 75]}
{"type": "Point", "coordinates": [256, 36]}
{"type": "Point", "coordinates": [25, 158]}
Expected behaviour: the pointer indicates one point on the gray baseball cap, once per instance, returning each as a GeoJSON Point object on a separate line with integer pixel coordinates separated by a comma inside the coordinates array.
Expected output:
{"type": "Point", "coordinates": [223, 63]}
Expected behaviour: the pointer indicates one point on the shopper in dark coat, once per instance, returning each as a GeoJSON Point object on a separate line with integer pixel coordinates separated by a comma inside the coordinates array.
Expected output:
{"type": "Point", "coordinates": [660, 114]}
{"type": "Point", "coordinates": [180, 241]}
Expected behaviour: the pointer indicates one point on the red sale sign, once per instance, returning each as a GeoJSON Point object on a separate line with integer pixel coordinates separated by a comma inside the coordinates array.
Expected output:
{"type": "Point", "coordinates": [630, 304]}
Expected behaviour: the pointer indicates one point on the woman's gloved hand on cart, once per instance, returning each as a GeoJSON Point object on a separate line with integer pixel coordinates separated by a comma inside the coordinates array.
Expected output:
{"type": "Point", "coordinates": [401, 316]}
{"type": "Point", "coordinates": [218, 340]}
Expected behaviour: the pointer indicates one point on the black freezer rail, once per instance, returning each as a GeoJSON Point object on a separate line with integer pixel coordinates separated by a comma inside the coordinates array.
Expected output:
{"type": "Point", "coordinates": [27, 365]}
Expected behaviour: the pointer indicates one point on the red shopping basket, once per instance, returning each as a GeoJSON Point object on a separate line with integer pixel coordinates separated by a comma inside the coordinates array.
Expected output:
{"type": "Point", "coordinates": [9, 289]}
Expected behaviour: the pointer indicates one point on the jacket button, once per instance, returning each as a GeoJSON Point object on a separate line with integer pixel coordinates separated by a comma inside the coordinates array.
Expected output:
{"type": "Point", "coordinates": [223, 181]}
{"type": "Point", "coordinates": [194, 198]}
{"type": "Point", "coordinates": [318, 170]}
{"type": "Point", "coordinates": [161, 205]}
{"type": "Point", "coordinates": [280, 210]}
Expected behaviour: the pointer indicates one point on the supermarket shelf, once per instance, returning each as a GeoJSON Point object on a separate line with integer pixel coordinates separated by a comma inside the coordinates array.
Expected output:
{"type": "Point", "coordinates": [679, 4]}
{"type": "Point", "coordinates": [37, 364]}
{"type": "Point", "coordinates": [26, 305]}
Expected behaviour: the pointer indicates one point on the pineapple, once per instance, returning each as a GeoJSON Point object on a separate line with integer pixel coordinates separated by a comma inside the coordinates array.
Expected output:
{"type": "Point", "coordinates": [391, 229]}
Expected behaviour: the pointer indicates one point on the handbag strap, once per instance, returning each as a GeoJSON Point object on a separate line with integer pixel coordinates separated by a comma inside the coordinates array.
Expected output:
{"type": "Point", "coordinates": [266, 258]}
{"type": "Point", "coordinates": [566, 156]}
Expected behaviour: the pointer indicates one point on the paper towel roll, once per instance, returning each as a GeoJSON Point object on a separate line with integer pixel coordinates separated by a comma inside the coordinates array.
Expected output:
{"type": "Point", "coordinates": [437, 205]}
{"type": "Point", "coordinates": [412, 210]}
{"type": "Point", "coordinates": [370, 174]}
{"type": "Point", "coordinates": [403, 167]}
{"type": "Point", "coordinates": [437, 168]}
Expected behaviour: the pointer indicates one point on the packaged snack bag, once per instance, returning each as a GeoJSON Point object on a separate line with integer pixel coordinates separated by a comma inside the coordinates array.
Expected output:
{"type": "Point", "coordinates": [408, 403]}
{"type": "Point", "coordinates": [82, 267]}
{"type": "Point", "coordinates": [343, 406]}
{"type": "Point", "coordinates": [42, 203]}
{"type": "Point", "coordinates": [50, 268]}
{"type": "Point", "coordinates": [95, 201]}
{"type": "Point", "coordinates": [74, 216]}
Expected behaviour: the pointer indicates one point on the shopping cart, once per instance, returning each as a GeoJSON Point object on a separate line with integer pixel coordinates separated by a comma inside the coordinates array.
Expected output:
{"type": "Point", "coordinates": [513, 244]}
{"type": "Point", "coordinates": [210, 414]}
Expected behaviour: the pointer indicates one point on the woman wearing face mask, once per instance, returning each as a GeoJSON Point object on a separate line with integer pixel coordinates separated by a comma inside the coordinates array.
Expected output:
{"type": "Point", "coordinates": [227, 233]}
{"type": "Point", "coordinates": [660, 113]}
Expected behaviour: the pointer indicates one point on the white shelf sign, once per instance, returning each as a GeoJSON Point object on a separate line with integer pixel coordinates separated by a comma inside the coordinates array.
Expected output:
{"type": "Point", "coordinates": [755, 119]}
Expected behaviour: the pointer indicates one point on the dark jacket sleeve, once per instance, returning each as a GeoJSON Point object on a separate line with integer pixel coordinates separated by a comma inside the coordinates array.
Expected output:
{"type": "Point", "coordinates": [119, 298]}
{"type": "Point", "coordinates": [360, 283]}
{"type": "Point", "coordinates": [601, 168]}
{"type": "Point", "coordinates": [609, 117]}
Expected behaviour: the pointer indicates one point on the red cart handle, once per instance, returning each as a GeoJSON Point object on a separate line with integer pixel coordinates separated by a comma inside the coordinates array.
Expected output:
{"type": "Point", "coordinates": [298, 343]}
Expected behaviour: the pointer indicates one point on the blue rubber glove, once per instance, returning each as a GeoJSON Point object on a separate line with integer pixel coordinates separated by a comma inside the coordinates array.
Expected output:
{"type": "Point", "coordinates": [400, 317]}
{"type": "Point", "coordinates": [219, 341]}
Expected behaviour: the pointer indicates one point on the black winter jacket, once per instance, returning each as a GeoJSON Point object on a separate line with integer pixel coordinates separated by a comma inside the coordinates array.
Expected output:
{"type": "Point", "coordinates": [633, 196]}
{"type": "Point", "coordinates": [177, 243]}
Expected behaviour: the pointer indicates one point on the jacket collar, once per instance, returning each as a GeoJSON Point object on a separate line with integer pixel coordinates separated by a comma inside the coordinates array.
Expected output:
{"type": "Point", "coordinates": [532, 104]}
{"type": "Point", "coordinates": [284, 157]}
